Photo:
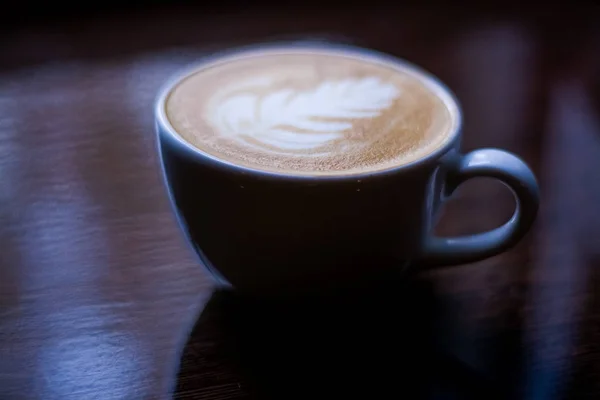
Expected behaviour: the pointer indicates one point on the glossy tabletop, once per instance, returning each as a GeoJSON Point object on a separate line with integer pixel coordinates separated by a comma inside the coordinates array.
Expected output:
{"type": "Point", "coordinates": [101, 298]}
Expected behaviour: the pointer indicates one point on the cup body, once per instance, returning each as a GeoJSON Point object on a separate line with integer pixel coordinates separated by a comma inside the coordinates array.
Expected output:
{"type": "Point", "coordinates": [262, 231]}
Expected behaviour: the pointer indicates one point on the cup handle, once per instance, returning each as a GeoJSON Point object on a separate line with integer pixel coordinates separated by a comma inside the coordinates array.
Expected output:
{"type": "Point", "coordinates": [514, 173]}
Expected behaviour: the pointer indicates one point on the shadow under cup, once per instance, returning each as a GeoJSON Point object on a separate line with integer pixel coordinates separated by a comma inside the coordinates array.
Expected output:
{"type": "Point", "coordinates": [276, 233]}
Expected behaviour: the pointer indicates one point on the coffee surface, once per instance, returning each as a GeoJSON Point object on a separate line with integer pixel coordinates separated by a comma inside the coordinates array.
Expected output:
{"type": "Point", "coordinates": [311, 111]}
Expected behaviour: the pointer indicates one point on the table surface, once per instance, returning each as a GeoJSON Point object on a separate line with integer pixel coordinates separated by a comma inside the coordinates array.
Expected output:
{"type": "Point", "coordinates": [101, 298]}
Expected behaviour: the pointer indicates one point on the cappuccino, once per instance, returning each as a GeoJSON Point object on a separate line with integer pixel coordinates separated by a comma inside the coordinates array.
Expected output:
{"type": "Point", "coordinates": [311, 111]}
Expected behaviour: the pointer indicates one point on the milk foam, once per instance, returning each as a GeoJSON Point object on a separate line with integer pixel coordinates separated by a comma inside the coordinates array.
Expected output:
{"type": "Point", "coordinates": [290, 121]}
{"type": "Point", "coordinates": [310, 111]}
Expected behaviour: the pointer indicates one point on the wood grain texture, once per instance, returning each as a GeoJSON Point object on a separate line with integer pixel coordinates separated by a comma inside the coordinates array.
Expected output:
{"type": "Point", "coordinates": [101, 298]}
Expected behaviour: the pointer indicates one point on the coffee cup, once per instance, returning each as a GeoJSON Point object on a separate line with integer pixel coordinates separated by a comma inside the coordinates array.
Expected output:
{"type": "Point", "coordinates": [305, 167]}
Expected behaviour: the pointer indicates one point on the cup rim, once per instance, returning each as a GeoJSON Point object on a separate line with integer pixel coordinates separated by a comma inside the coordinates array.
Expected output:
{"type": "Point", "coordinates": [447, 96]}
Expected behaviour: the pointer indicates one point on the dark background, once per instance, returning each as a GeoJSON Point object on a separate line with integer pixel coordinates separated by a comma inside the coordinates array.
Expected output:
{"type": "Point", "coordinates": [101, 298]}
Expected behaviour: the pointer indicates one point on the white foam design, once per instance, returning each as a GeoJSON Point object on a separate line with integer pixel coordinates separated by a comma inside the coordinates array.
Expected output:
{"type": "Point", "coordinates": [293, 121]}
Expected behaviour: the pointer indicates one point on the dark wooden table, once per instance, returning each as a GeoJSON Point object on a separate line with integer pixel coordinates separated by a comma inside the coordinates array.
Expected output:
{"type": "Point", "coordinates": [100, 297]}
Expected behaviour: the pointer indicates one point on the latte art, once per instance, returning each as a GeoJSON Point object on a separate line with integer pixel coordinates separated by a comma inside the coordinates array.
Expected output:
{"type": "Point", "coordinates": [287, 120]}
{"type": "Point", "coordinates": [310, 111]}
